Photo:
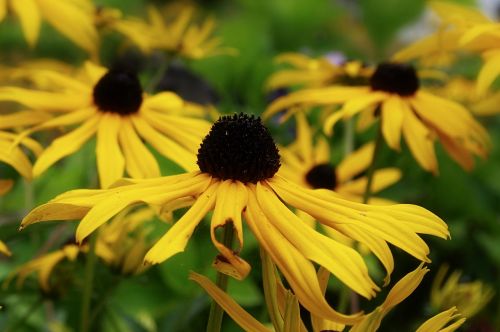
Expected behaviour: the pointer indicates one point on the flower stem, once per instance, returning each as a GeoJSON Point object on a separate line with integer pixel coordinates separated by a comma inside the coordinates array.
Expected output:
{"type": "Point", "coordinates": [88, 285]}
{"type": "Point", "coordinates": [216, 312]}
{"type": "Point", "coordinates": [371, 170]}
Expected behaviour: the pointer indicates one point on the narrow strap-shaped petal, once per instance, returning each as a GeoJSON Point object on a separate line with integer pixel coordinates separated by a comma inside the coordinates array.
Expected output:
{"type": "Point", "coordinates": [3, 9]}
{"type": "Point", "coordinates": [29, 16]}
{"type": "Point", "coordinates": [139, 161]}
{"type": "Point", "coordinates": [298, 271]}
{"type": "Point", "coordinates": [392, 120]}
{"type": "Point", "coordinates": [177, 237]}
{"type": "Point", "coordinates": [15, 157]}
{"type": "Point", "coordinates": [44, 101]}
{"type": "Point", "coordinates": [355, 163]}
{"type": "Point", "coordinates": [165, 145]}
{"type": "Point", "coordinates": [3, 249]}
{"type": "Point", "coordinates": [65, 145]}
{"type": "Point", "coordinates": [437, 323]}
{"type": "Point", "coordinates": [22, 119]}
{"type": "Point", "coordinates": [382, 179]}
{"type": "Point", "coordinates": [304, 137]}
{"type": "Point", "coordinates": [319, 324]}
{"type": "Point", "coordinates": [167, 102]}
{"type": "Point", "coordinates": [233, 309]}
{"type": "Point", "coordinates": [231, 200]}
{"type": "Point", "coordinates": [489, 72]}
{"type": "Point", "coordinates": [420, 142]}
{"type": "Point", "coordinates": [110, 160]}
{"type": "Point", "coordinates": [54, 211]}
{"type": "Point", "coordinates": [361, 103]}
{"type": "Point", "coordinates": [344, 262]}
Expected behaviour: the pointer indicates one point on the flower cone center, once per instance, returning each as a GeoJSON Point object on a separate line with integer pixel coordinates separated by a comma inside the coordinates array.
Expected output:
{"type": "Point", "coordinates": [322, 176]}
{"type": "Point", "coordinates": [395, 78]}
{"type": "Point", "coordinates": [118, 92]}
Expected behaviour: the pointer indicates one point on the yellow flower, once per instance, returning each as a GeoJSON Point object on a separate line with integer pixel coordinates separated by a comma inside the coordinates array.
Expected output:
{"type": "Point", "coordinates": [394, 95]}
{"type": "Point", "coordinates": [134, 29]}
{"type": "Point", "coordinates": [44, 265]}
{"type": "Point", "coordinates": [71, 18]}
{"type": "Point", "coordinates": [438, 322]}
{"type": "Point", "coordinates": [112, 106]}
{"type": "Point", "coordinates": [238, 161]}
{"type": "Point", "coordinates": [318, 72]}
{"type": "Point", "coordinates": [309, 165]}
{"type": "Point", "coordinates": [468, 297]}
{"type": "Point", "coordinates": [4, 249]}
{"type": "Point", "coordinates": [175, 32]}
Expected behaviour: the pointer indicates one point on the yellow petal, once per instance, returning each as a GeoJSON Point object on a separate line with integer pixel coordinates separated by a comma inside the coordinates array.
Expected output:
{"type": "Point", "coordinates": [29, 16]}
{"type": "Point", "coordinates": [54, 211]}
{"type": "Point", "coordinates": [420, 142]}
{"type": "Point", "coordinates": [304, 137]}
{"type": "Point", "coordinates": [382, 178]}
{"type": "Point", "coordinates": [233, 309]}
{"type": "Point", "coordinates": [404, 288]}
{"type": "Point", "coordinates": [230, 202]}
{"type": "Point", "coordinates": [344, 262]}
{"type": "Point", "coordinates": [436, 323]}
{"type": "Point", "coordinates": [110, 160]}
{"type": "Point", "coordinates": [3, 9]}
{"type": "Point", "coordinates": [355, 163]}
{"type": "Point", "coordinates": [45, 101]}
{"type": "Point", "coordinates": [15, 157]}
{"type": "Point", "coordinates": [176, 238]}
{"type": "Point", "coordinates": [298, 271]}
{"type": "Point", "coordinates": [488, 73]}
{"type": "Point", "coordinates": [318, 323]}
{"type": "Point", "coordinates": [139, 162]}
{"type": "Point", "coordinates": [392, 120]}
{"type": "Point", "coordinates": [22, 119]}
{"type": "Point", "coordinates": [65, 145]}
{"type": "Point", "coordinates": [4, 250]}
{"type": "Point", "coordinates": [164, 102]}
{"type": "Point", "coordinates": [165, 145]}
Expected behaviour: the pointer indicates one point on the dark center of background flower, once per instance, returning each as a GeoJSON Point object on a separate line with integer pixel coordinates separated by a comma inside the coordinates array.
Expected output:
{"type": "Point", "coordinates": [322, 176]}
{"type": "Point", "coordinates": [395, 78]}
{"type": "Point", "coordinates": [118, 92]}
{"type": "Point", "coordinates": [239, 147]}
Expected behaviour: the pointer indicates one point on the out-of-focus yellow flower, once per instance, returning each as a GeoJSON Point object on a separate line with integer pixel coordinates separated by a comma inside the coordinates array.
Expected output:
{"type": "Point", "coordinates": [111, 105]}
{"type": "Point", "coordinates": [4, 249]}
{"type": "Point", "coordinates": [43, 265]}
{"type": "Point", "coordinates": [308, 164]}
{"type": "Point", "coordinates": [316, 72]}
{"type": "Point", "coordinates": [175, 32]}
{"type": "Point", "coordinates": [394, 95]}
{"type": "Point", "coordinates": [438, 323]}
{"type": "Point", "coordinates": [238, 161]}
{"type": "Point", "coordinates": [468, 297]}
{"type": "Point", "coordinates": [71, 18]}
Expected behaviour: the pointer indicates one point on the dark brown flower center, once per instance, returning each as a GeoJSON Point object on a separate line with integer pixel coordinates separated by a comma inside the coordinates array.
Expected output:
{"type": "Point", "coordinates": [395, 78]}
{"type": "Point", "coordinates": [118, 92]}
{"type": "Point", "coordinates": [322, 176]}
{"type": "Point", "coordinates": [239, 147]}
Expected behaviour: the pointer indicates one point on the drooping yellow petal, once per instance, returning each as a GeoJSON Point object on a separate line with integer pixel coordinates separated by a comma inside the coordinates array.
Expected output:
{"type": "Point", "coordinates": [165, 145]}
{"type": "Point", "coordinates": [420, 142]}
{"type": "Point", "coordinates": [233, 309]}
{"type": "Point", "coordinates": [392, 120]}
{"type": "Point", "coordinates": [15, 157]}
{"type": "Point", "coordinates": [176, 238]}
{"type": "Point", "coordinates": [72, 21]}
{"type": "Point", "coordinates": [355, 163]}
{"type": "Point", "coordinates": [110, 160]}
{"type": "Point", "coordinates": [139, 161]}
{"type": "Point", "coordinates": [489, 72]}
{"type": "Point", "coordinates": [3, 249]}
{"type": "Point", "coordinates": [344, 262]}
{"type": "Point", "coordinates": [231, 200]}
{"type": "Point", "coordinates": [319, 324]}
{"type": "Point", "coordinates": [65, 145]}
{"type": "Point", "coordinates": [28, 13]}
{"type": "Point", "coordinates": [437, 323]}
{"type": "Point", "coordinates": [298, 271]}
{"type": "Point", "coordinates": [382, 178]}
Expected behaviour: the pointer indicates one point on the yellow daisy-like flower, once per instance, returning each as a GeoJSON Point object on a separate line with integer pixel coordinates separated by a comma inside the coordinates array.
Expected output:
{"type": "Point", "coordinates": [318, 72]}
{"type": "Point", "coordinates": [175, 32]}
{"type": "Point", "coordinates": [309, 165]}
{"type": "Point", "coordinates": [70, 18]}
{"type": "Point", "coordinates": [468, 297]}
{"type": "Point", "coordinates": [395, 96]}
{"type": "Point", "coordinates": [238, 161]}
{"type": "Point", "coordinates": [112, 106]}
{"type": "Point", "coordinates": [4, 249]}
{"type": "Point", "coordinates": [289, 314]}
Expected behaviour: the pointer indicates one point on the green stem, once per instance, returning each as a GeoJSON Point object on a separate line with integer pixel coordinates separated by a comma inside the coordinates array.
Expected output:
{"type": "Point", "coordinates": [29, 195]}
{"type": "Point", "coordinates": [348, 137]}
{"type": "Point", "coordinates": [24, 318]}
{"type": "Point", "coordinates": [372, 167]}
{"type": "Point", "coordinates": [88, 284]}
{"type": "Point", "coordinates": [216, 312]}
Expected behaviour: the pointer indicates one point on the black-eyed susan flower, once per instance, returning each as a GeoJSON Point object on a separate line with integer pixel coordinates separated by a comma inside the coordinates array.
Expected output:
{"type": "Point", "coordinates": [174, 31]}
{"type": "Point", "coordinates": [468, 297]}
{"type": "Point", "coordinates": [308, 163]}
{"type": "Point", "coordinates": [238, 164]}
{"type": "Point", "coordinates": [111, 105]}
{"type": "Point", "coordinates": [73, 19]}
{"type": "Point", "coordinates": [394, 93]}
{"type": "Point", "coordinates": [316, 72]}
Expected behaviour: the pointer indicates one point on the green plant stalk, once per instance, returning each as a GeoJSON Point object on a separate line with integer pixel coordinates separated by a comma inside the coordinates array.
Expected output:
{"type": "Point", "coordinates": [216, 312]}
{"type": "Point", "coordinates": [88, 284]}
